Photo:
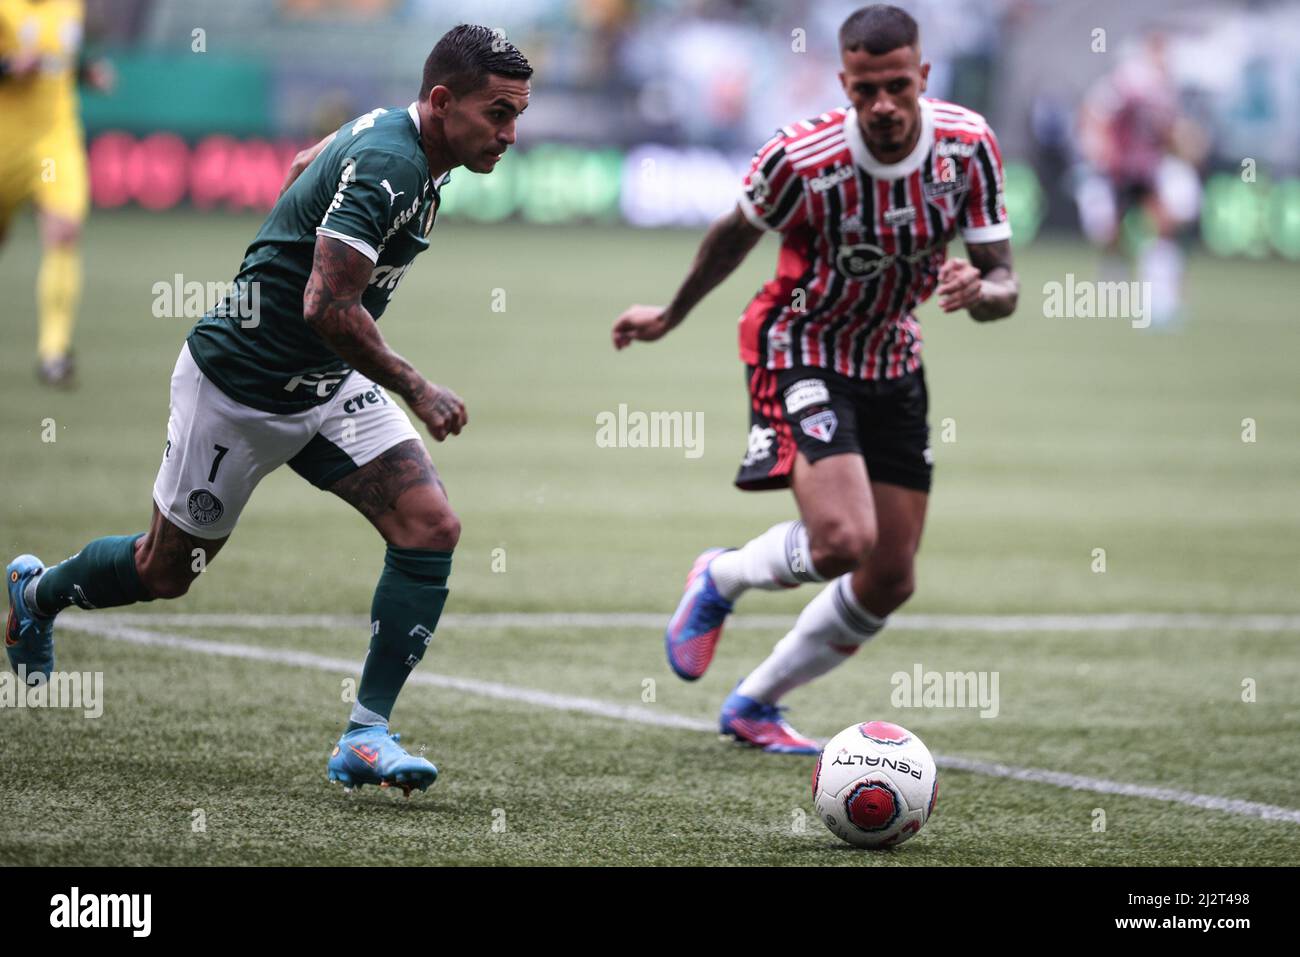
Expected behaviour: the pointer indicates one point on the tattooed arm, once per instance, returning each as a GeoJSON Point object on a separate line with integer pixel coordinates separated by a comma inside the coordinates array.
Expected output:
{"type": "Point", "coordinates": [987, 286]}
{"type": "Point", "coordinates": [725, 247]}
{"type": "Point", "coordinates": [331, 305]}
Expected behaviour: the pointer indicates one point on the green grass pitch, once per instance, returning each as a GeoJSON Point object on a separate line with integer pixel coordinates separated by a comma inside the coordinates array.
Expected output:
{"type": "Point", "coordinates": [1071, 435]}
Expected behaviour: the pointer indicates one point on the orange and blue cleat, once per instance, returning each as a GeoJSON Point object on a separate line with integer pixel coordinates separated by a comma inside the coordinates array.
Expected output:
{"type": "Point", "coordinates": [373, 756]}
{"type": "Point", "coordinates": [29, 640]}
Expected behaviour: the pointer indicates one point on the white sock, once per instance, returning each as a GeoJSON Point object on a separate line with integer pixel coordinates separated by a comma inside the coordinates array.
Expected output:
{"type": "Point", "coordinates": [779, 558]}
{"type": "Point", "coordinates": [1162, 266]}
{"type": "Point", "coordinates": [828, 631]}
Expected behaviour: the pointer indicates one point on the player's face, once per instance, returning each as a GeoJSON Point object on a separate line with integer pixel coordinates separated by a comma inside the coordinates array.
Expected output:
{"type": "Point", "coordinates": [480, 126]}
{"type": "Point", "coordinates": [885, 91]}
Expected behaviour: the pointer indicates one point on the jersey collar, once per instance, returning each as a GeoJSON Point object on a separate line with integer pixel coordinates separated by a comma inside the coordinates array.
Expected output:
{"type": "Point", "coordinates": [413, 111]}
{"type": "Point", "coordinates": [908, 165]}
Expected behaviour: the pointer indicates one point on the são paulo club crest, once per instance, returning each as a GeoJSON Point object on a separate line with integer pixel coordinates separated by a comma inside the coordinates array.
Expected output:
{"type": "Point", "coordinates": [820, 425]}
{"type": "Point", "coordinates": [882, 732]}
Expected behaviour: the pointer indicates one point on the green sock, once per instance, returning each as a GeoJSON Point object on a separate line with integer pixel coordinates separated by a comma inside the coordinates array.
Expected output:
{"type": "Point", "coordinates": [101, 575]}
{"type": "Point", "coordinates": [408, 601]}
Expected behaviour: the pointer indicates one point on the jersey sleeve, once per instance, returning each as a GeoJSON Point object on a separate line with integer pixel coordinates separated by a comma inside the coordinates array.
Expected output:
{"type": "Point", "coordinates": [772, 193]}
{"type": "Point", "coordinates": [375, 187]}
{"type": "Point", "coordinates": [984, 217]}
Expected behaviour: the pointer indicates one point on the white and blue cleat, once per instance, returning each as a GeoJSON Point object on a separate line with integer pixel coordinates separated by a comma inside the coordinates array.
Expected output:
{"type": "Point", "coordinates": [29, 640]}
{"type": "Point", "coordinates": [373, 756]}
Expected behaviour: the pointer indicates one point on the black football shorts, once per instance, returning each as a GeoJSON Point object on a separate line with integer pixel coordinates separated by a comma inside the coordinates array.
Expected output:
{"type": "Point", "coordinates": [822, 413]}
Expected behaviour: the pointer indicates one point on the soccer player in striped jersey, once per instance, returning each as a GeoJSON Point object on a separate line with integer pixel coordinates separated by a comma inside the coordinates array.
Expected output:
{"type": "Point", "coordinates": [865, 199]}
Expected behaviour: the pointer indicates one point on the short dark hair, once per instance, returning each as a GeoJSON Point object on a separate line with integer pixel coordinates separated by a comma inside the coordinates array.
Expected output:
{"type": "Point", "coordinates": [467, 55]}
{"type": "Point", "coordinates": [878, 29]}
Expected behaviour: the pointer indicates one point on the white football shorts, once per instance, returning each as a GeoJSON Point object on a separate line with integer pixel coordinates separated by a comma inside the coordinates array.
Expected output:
{"type": "Point", "coordinates": [219, 449]}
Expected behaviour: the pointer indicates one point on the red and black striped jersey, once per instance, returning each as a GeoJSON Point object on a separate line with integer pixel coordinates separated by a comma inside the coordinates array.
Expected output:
{"type": "Point", "coordinates": [862, 241]}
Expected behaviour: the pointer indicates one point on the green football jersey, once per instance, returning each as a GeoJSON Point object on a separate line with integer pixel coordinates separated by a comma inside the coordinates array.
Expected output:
{"type": "Point", "coordinates": [370, 188]}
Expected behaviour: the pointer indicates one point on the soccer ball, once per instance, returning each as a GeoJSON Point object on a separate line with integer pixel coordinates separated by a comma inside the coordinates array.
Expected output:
{"type": "Point", "coordinates": [875, 784]}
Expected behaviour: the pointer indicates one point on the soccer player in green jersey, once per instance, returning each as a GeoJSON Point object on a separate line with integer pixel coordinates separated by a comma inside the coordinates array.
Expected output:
{"type": "Point", "coordinates": [291, 369]}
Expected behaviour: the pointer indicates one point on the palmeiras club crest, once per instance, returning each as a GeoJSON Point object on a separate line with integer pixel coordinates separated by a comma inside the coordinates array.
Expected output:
{"type": "Point", "coordinates": [204, 507]}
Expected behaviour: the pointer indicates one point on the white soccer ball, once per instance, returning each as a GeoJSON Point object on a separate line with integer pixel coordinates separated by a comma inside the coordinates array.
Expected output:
{"type": "Point", "coordinates": [875, 784]}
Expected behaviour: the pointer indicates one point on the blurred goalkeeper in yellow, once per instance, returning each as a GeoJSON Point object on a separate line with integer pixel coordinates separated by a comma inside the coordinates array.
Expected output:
{"type": "Point", "coordinates": [42, 156]}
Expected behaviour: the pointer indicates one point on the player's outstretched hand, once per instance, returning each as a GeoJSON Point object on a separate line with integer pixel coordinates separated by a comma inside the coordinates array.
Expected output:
{"type": "Point", "coordinates": [643, 323]}
{"type": "Point", "coordinates": [441, 410]}
{"type": "Point", "coordinates": [959, 285]}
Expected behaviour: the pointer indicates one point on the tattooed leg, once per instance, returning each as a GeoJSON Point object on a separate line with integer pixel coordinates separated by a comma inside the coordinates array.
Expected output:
{"type": "Point", "coordinates": [169, 559]}
{"type": "Point", "coordinates": [401, 495]}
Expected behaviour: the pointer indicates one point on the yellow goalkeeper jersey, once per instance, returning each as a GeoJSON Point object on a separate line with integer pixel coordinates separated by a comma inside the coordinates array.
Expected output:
{"type": "Point", "coordinates": [53, 29]}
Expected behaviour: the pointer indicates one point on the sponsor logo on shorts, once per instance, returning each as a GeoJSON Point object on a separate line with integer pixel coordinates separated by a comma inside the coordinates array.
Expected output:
{"type": "Point", "coordinates": [804, 393]}
{"type": "Point", "coordinates": [204, 507]}
{"type": "Point", "coordinates": [928, 455]}
{"type": "Point", "coordinates": [323, 384]}
{"type": "Point", "coordinates": [820, 425]}
{"type": "Point", "coordinates": [760, 445]}
{"type": "Point", "coordinates": [358, 402]}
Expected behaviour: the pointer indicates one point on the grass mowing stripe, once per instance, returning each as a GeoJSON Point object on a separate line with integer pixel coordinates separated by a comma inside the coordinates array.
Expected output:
{"type": "Point", "coordinates": [97, 625]}
{"type": "Point", "coordinates": [999, 624]}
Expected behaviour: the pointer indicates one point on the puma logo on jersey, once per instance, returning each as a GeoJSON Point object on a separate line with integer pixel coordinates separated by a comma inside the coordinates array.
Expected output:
{"type": "Point", "coordinates": [392, 197]}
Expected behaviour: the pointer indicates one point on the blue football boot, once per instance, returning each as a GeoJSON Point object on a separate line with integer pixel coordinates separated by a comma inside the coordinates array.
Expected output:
{"type": "Point", "coordinates": [29, 641]}
{"type": "Point", "coordinates": [373, 756]}
{"type": "Point", "coordinates": [762, 726]}
{"type": "Point", "coordinates": [696, 626]}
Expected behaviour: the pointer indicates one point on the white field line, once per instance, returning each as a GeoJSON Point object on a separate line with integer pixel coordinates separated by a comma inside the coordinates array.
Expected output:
{"type": "Point", "coordinates": [351, 666]}
{"type": "Point", "coordinates": [999, 624]}
{"type": "Point", "coordinates": [101, 627]}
